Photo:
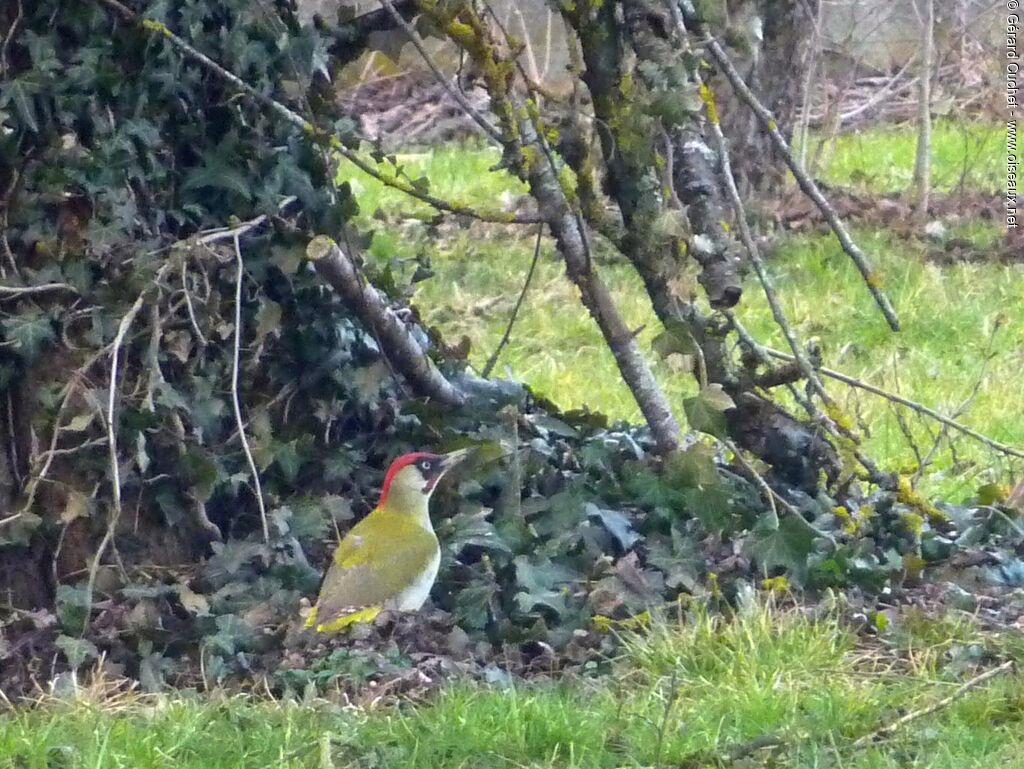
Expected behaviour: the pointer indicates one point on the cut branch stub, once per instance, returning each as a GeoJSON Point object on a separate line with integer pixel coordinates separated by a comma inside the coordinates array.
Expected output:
{"type": "Point", "coordinates": [401, 349]}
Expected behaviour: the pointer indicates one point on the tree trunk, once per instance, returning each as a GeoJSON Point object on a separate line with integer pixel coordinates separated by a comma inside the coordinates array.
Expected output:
{"type": "Point", "coordinates": [775, 68]}
{"type": "Point", "coordinates": [794, 449]}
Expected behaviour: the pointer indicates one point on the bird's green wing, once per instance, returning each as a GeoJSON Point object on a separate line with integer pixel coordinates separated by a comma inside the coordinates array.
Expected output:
{"type": "Point", "coordinates": [368, 568]}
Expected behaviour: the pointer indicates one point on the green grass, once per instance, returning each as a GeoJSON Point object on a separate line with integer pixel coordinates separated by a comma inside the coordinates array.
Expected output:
{"type": "Point", "coordinates": [680, 695]}
{"type": "Point", "coordinates": [947, 312]}
{"type": "Point", "coordinates": [964, 154]}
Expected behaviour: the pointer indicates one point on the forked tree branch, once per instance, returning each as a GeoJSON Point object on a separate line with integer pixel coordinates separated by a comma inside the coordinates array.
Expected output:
{"type": "Point", "coordinates": [806, 183]}
{"type": "Point", "coordinates": [920, 408]}
{"type": "Point", "coordinates": [524, 142]}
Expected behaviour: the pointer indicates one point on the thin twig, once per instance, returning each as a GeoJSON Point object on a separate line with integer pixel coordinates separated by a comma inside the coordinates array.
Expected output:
{"type": "Point", "coordinates": [18, 291]}
{"type": "Point", "coordinates": [5, 46]}
{"type": "Point", "coordinates": [964, 405]}
{"type": "Point", "coordinates": [839, 376]}
{"type": "Point", "coordinates": [773, 497]}
{"type": "Point", "coordinates": [420, 46]}
{"type": "Point", "coordinates": [805, 182]}
{"type": "Point", "coordinates": [235, 402]}
{"type": "Point", "coordinates": [811, 375]}
{"type": "Point", "coordinates": [992, 510]}
{"type": "Point", "coordinates": [220, 234]}
{"type": "Point", "coordinates": [188, 304]}
{"type": "Point", "coordinates": [494, 217]}
{"type": "Point", "coordinates": [111, 425]}
{"type": "Point", "coordinates": [489, 366]}
{"type": "Point", "coordinates": [739, 212]}
{"type": "Point", "coordinates": [66, 392]}
{"type": "Point", "coordinates": [889, 729]}
{"type": "Point", "coordinates": [5, 205]}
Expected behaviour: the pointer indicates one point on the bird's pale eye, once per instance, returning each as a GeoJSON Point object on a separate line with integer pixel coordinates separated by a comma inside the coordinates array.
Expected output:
{"type": "Point", "coordinates": [425, 465]}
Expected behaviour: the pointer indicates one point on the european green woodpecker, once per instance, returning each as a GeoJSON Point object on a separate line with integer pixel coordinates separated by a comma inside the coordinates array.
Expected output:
{"type": "Point", "coordinates": [389, 560]}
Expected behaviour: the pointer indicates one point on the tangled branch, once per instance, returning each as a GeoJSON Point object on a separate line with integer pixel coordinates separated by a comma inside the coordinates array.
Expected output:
{"type": "Point", "coordinates": [806, 183]}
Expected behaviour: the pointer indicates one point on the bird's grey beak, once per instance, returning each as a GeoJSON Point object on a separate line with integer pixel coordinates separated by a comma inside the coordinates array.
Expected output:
{"type": "Point", "coordinates": [446, 463]}
{"type": "Point", "coordinates": [455, 457]}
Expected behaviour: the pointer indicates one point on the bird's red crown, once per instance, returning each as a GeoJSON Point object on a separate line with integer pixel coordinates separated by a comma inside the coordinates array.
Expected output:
{"type": "Point", "coordinates": [396, 466]}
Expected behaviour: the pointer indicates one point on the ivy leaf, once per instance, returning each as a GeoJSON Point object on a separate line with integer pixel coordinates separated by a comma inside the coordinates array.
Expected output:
{"type": "Point", "coordinates": [472, 529]}
{"type": "Point", "coordinates": [367, 380]}
{"type": "Point", "coordinates": [542, 583]}
{"type": "Point", "coordinates": [233, 635]}
{"type": "Point", "coordinates": [693, 468]}
{"type": "Point", "coordinates": [201, 472]}
{"type": "Point", "coordinates": [154, 668]}
{"type": "Point", "coordinates": [287, 258]}
{"type": "Point", "coordinates": [787, 546]}
{"type": "Point", "coordinates": [286, 456]}
{"type": "Point", "coordinates": [337, 507]}
{"type": "Point", "coordinates": [713, 506]}
{"type": "Point", "coordinates": [193, 602]}
{"type": "Point", "coordinates": [80, 422]}
{"type": "Point", "coordinates": [72, 608]}
{"type": "Point", "coordinates": [268, 320]}
{"type": "Point", "coordinates": [43, 54]}
{"type": "Point", "coordinates": [474, 603]}
{"type": "Point", "coordinates": [563, 513]}
{"type": "Point", "coordinates": [679, 559]}
{"type": "Point", "coordinates": [18, 92]}
{"type": "Point", "coordinates": [617, 524]}
{"type": "Point", "coordinates": [547, 424]}
{"type": "Point", "coordinates": [343, 465]}
{"type": "Point", "coordinates": [75, 506]}
{"type": "Point", "coordinates": [705, 411]}
{"type": "Point", "coordinates": [77, 650]}
{"type": "Point", "coordinates": [307, 519]}
{"type": "Point", "coordinates": [218, 173]}
{"type": "Point", "coordinates": [674, 342]}
{"type": "Point", "coordinates": [28, 332]}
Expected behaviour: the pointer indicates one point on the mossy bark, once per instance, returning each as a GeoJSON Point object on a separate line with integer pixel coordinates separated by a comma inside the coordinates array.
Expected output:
{"type": "Point", "coordinates": [526, 152]}
{"type": "Point", "coordinates": [662, 94]}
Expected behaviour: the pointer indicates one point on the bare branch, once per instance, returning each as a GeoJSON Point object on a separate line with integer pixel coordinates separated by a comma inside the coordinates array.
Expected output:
{"type": "Point", "coordinates": [806, 183]}
{"type": "Point", "coordinates": [115, 469]}
{"type": "Point", "coordinates": [445, 82]}
{"type": "Point", "coordinates": [523, 142]}
{"type": "Point", "coordinates": [891, 728]}
{"type": "Point", "coordinates": [839, 376]}
{"type": "Point", "coordinates": [337, 269]}
{"type": "Point", "coordinates": [188, 304]}
{"type": "Point", "coordinates": [489, 366]}
{"type": "Point", "coordinates": [235, 401]}
{"type": "Point", "coordinates": [14, 292]}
